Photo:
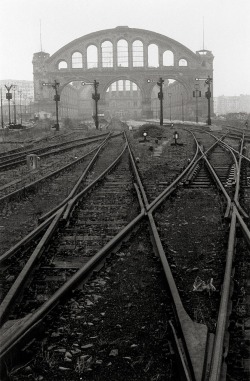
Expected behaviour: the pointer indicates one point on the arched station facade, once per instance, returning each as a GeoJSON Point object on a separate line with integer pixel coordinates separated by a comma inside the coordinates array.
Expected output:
{"type": "Point", "coordinates": [127, 63]}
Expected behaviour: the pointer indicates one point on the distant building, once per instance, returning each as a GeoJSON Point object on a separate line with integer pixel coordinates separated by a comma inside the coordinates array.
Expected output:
{"type": "Point", "coordinates": [231, 104]}
{"type": "Point", "coordinates": [22, 102]}
{"type": "Point", "coordinates": [123, 100]}
{"type": "Point", "coordinates": [22, 87]}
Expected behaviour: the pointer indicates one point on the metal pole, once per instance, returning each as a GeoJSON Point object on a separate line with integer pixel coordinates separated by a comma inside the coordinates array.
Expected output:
{"type": "Point", "coordinates": [209, 111]}
{"type": "Point", "coordinates": [182, 109]}
{"type": "Point", "coordinates": [96, 105]}
{"type": "Point", "coordinates": [170, 95]}
{"type": "Point", "coordinates": [160, 96]}
{"type": "Point", "coordinates": [21, 106]}
{"type": "Point", "coordinates": [1, 108]}
{"type": "Point", "coordinates": [56, 99]}
{"type": "Point", "coordinates": [9, 112]}
{"type": "Point", "coordinates": [208, 95]}
{"type": "Point", "coordinates": [196, 101]}
{"type": "Point", "coordinates": [9, 97]}
{"type": "Point", "coordinates": [57, 122]}
{"type": "Point", "coordinates": [14, 106]}
{"type": "Point", "coordinates": [161, 103]}
{"type": "Point", "coordinates": [96, 97]}
{"type": "Point", "coordinates": [25, 100]}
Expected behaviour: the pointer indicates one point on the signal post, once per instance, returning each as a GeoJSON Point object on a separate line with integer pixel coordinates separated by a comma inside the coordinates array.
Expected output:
{"type": "Point", "coordinates": [55, 86]}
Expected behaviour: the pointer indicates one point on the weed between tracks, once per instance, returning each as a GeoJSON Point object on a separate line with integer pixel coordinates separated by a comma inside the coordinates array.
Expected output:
{"type": "Point", "coordinates": [115, 328]}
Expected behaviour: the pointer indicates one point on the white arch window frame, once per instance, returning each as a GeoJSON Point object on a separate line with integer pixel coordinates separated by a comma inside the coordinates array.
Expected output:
{"type": "Point", "coordinates": [181, 61]}
{"type": "Point", "coordinates": [168, 58]}
{"type": "Point", "coordinates": [122, 53]}
{"type": "Point", "coordinates": [77, 60]}
{"type": "Point", "coordinates": [92, 63]}
{"type": "Point", "coordinates": [123, 85]}
{"type": "Point", "coordinates": [137, 53]}
{"type": "Point", "coordinates": [153, 57]}
{"type": "Point", "coordinates": [107, 59]}
{"type": "Point", "coordinates": [60, 63]}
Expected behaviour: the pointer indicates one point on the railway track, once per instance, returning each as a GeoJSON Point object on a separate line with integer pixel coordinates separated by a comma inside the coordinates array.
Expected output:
{"type": "Point", "coordinates": [42, 194]}
{"type": "Point", "coordinates": [28, 144]}
{"type": "Point", "coordinates": [47, 169]}
{"type": "Point", "coordinates": [198, 341]}
{"type": "Point", "coordinates": [16, 159]}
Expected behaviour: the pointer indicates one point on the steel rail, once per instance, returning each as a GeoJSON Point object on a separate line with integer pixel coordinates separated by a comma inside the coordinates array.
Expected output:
{"type": "Point", "coordinates": [185, 323]}
{"type": "Point", "coordinates": [218, 347]}
{"type": "Point", "coordinates": [44, 149]}
{"type": "Point", "coordinates": [220, 185]}
{"type": "Point", "coordinates": [238, 170]}
{"type": "Point", "coordinates": [158, 200]}
{"type": "Point", "coordinates": [14, 340]}
{"type": "Point", "coordinates": [20, 280]}
{"type": "Point", "coordinates": [194, 335]}
{"type": "Point", "coordinates": [30, 143]}
{"type": "Point", "coordinates": [22, 277]}
{"type": "Point", "coordinates": [237, 188]}
{"type": "Point", "coordinates": [27, 239]}
{"type": "Point", "coordinates": [44, 178]}
{"type": "Point", "coordinates": [23, 333]}
{"type": "Point", "coordinates": [192, 169]}
{"type": "Point", "coordinates": [29, 324]}
{"type": "Point", "coordinates": [46, 154]}
{"type": "Point", "coordinates": [244, 228]}
{"type": "Point", "coordinates": [73, 201]}
{"type": "Point", "coordinates": [188, 170]}
{"type": "Point", "coordinates": [216, 369]}
{"type": "Point", "coordinates": [76, 186]}
{"type": "Point", "coordinates": [198, 332]}
{"type": "Point", "coordinates": [33, 323]}
{"type": "Point", "coordinates": [138, 179]}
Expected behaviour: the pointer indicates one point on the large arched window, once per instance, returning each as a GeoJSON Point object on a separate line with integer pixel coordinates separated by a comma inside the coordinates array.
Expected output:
{"type": "Point", "coordinates": [62, 65]}
{"type": "Point", "coordinates": [76, 60]}
{"type": "Point", "coordinates": [113, 86]}
{"type": "Point", "coordinates": [92, 57]}
{"type": "Point", "coordinates": [127, 85]}
{"type": "Point", "coordinates": [134, 87]}
{"type": "Point", "coordinates": [122, 53]}
{"type": "Point", "coordinates": [137, 51]}
{"type": "Point", "coordinates": [168, 58]}
{"type": "Point", "coordinates": [153, 56]}
{"type": "Point", "coordinates": [120, 85]}
{"type": "Point", "coordinates": [107, 54]}
{"type": "Point", "coordinates": [183, 62]}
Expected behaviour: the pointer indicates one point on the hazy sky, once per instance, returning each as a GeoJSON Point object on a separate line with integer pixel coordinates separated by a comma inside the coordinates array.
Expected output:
{"type": "Point", "coordinates": [226, 25]}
